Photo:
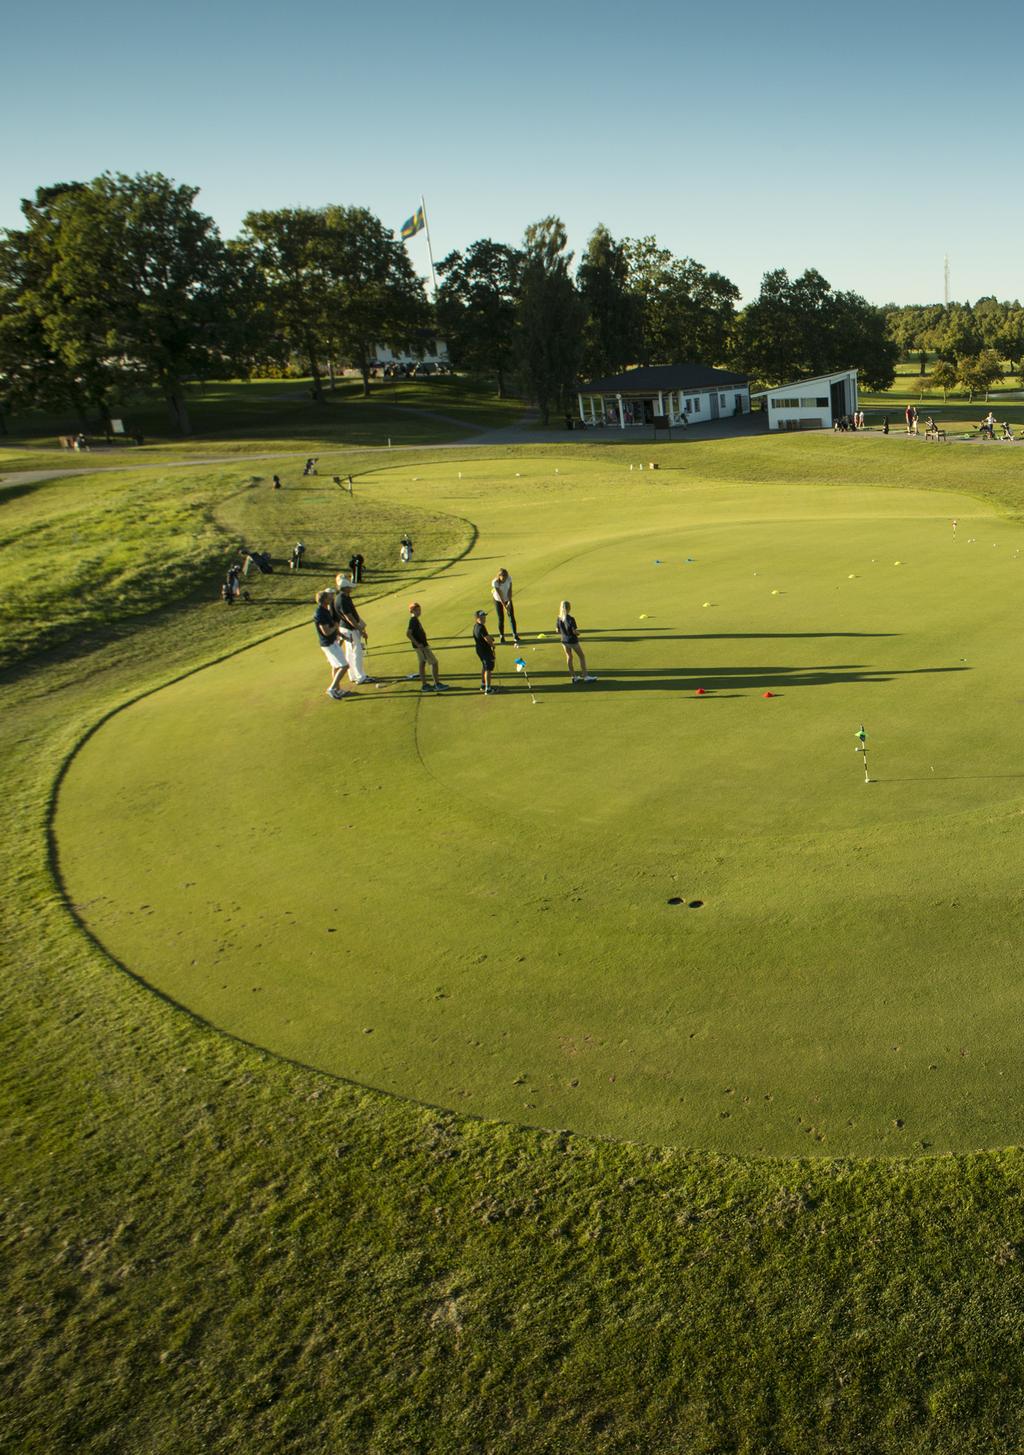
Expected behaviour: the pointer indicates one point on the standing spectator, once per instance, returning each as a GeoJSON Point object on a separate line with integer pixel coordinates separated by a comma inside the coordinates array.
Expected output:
{"type": "Point", "coordinates": [913, 419]}
{"type": "Point", "coordinates": [569, 636]}
{"type": "Point", "coordinates": [353, 630]}
{"type": "Point", "coordinates": [860, 419]}
{"type": "Point", "coordinates": [326, 626]}
{"type": "Point", "coordinates": [277, 482]}
{"type": "Point", "coordinates": [424, 656]}
{"type": "Point", "coordinates": [484, 644]}
{"type": "Point", "coordinates": [885, 424]}
{"type": "Point", "coordinates": [909, 413]}
{"type": "Point", "coordinates": [501, 593]}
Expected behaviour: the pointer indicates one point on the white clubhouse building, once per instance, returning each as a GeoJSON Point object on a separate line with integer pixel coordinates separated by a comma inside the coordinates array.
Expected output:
{"type": "Point", "coordinates": [663, 395]}
{"type": "Point", "coordinates": [811, 403]}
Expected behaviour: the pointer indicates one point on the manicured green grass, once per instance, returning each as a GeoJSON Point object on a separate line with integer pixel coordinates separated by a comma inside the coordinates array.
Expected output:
{"type": "Point", "coordinates": [770, 1019]}
{"type": "Point", "coordinates": [208, 1248]}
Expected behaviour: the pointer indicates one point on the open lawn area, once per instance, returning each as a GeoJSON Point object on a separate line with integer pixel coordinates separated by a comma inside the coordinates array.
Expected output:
{"type": "Point", "coordinates": [589, 1067]}
{"type": "Point", "coordinates": [274, 416]}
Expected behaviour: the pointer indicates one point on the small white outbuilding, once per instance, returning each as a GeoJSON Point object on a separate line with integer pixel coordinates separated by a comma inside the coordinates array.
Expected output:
{"type": "Point", "coordinates": [811, 403]}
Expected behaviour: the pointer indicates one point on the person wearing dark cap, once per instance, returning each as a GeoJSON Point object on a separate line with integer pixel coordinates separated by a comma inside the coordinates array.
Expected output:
{"type": "Point", "coordinates": [484, 644]}
{"type": "Point", "coordinates": [421, 646]}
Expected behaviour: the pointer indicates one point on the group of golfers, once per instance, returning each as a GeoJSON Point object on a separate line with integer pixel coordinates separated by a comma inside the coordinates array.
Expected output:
{"type": "Point", "coordinates": [342, 636]}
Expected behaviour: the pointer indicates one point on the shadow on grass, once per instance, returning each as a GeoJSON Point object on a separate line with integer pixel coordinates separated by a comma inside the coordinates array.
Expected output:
{"type": "Point", "coordinates": [717, 682]}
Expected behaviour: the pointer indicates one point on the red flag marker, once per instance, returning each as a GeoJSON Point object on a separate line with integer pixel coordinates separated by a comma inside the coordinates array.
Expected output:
{"type": "Point", "coordinates": [768, 694]}
{"type": "Point", "coordinates": [700, 692]}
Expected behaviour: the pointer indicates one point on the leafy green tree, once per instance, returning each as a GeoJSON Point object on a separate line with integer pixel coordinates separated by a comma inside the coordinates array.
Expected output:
{"type": "Point", "coordinates": [31, 372]}
{"type": "Point", "coordinates": [1009, 340]}
{"type": "Point", "coordinates": [135, 286]}
{"type": "Point", "coordinates": [803, 327]}
{"type": "Point", "coordinates": [43, 363]}
{"type": "Point", "coordinates": [687, 314]}
{"type": "Point", "coordinates": [550, 316]}
{"type": "Point", "coordinates": [477, 304]}
{"type": "Point", "coordinates": [336, 279]}
{"type": "Point", "coordinates": [284, 247]}
{"type": "Point", "coordinates": [611, 336]}
{"type": "Point", "coordinates": [957, 336]}
{"type": "Point", "coordinates": [943, 376]}
{"type": "Point", "coordinates": [989, 317]}
{"type": "Point", "coordinates": [978, 372]}
{"type": "Point", "coordinates": [373, 293]}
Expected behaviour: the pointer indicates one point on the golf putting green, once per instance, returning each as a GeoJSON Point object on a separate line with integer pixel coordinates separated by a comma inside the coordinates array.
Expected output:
{"type": "Point", "coordinates": [485, 904]}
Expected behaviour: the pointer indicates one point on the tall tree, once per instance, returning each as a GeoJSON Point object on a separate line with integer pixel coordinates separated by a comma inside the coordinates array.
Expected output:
{"type": "Point", "coordinates": [336, 279]}
{"type": "Point", "coordinates": [611, 336]}
{"type": "Point", "coordinates": [284, 248]}
{"type": "Point", "coordinates": [137, 285]}
{"type": "Point", "coordinates": [477, 303]}
{"type": "Point", "coordinates": [687, 314]}
{"type": "Point", "coordinates": [550, 316]}
{"type": "Point", "coordinates": [802, 327]}
{"type": "Point", "coordinates": [373, 293]}
{"type": "Point", "coordinates": [958, 335]}
{"type": "Point", "coordinates": [1010, 338]}
{"type": "Point", "coordinates": [943, 377]}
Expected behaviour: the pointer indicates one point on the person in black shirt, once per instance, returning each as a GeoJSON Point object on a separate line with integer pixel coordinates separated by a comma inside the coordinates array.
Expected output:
{"type": "Point", "coordinates": [484, 644]}
{"type": "Point", "coordinates": [568, 635]}
{"type": "Point", "coordinates": [325, 624]}
{"type": "Point", "coordinates": [424, 656]}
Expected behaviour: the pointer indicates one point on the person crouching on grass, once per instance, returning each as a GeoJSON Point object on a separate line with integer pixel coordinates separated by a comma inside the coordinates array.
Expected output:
{"type": "Point", "coordinates": [484, 644]}
{"type": "Point", "coordinates": [568, 635]}
{"type": "Point", "coordinates": [326, 626]}
{"type": "Point", "coordinates": [424, 656]}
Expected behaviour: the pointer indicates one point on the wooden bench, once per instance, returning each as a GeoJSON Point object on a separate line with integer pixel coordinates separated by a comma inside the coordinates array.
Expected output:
{"type": "Point", "coordinates": [938, 435]}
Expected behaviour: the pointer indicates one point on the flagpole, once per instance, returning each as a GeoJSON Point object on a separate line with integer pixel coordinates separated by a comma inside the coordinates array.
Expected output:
{"type": "Point", "coordinates": [430, 249]}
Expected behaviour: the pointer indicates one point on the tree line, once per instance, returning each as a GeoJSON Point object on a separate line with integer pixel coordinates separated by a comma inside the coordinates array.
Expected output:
{"type": "Point", "coordinates": [120, 286]}
{"type": "Point", "coordinates": [970, 342]}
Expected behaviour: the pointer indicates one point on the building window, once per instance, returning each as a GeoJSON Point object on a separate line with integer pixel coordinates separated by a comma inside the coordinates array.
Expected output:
{"type": "Point", "coordinates": [785, 404]}
{"type": "Point", "coordinates": [721, 401]}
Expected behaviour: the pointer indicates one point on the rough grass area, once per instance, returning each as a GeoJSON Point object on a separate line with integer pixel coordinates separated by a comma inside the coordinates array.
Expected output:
{"type": "Point", "coordinates": [208, 1249]}
{"type": "Point", "coordinates": [85, 558]}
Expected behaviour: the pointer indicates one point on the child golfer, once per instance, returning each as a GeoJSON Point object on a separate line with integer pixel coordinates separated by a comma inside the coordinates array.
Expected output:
{"type": "Point", "coordinates": [568, 635]}
{"type": "Point", "coordinates": [424, 656]}
{"type": "Point", "coordinates": [484, 644]}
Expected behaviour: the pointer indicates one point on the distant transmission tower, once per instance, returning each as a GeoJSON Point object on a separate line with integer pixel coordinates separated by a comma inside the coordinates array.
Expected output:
{"type": "Point", "coordinates": [945, 278]}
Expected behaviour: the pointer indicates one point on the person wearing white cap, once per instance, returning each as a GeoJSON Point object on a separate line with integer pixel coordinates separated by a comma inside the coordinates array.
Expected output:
{"type": "Point", "coordinates": [352, 629]}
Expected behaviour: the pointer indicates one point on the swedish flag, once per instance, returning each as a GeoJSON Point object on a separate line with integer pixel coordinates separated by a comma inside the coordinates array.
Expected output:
{"type": "Point", "coordinates": [414, 224]}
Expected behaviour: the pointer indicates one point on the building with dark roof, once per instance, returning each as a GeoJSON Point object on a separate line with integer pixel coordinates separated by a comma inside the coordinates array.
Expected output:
{"type": "Point", "coordinates": [663, 395]}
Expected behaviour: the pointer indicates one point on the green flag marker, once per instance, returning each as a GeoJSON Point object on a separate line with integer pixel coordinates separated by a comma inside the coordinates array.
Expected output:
{"type": "Point", "coordinates": [862, 747]}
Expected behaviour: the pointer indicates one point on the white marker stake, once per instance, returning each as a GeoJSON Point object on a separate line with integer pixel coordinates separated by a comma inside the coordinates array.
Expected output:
{"type": "Point", "coordinates": [520, 665]}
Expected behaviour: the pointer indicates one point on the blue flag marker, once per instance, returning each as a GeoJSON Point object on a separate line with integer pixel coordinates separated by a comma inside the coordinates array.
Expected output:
{"type": "Point", "coordinates": [520, 665]}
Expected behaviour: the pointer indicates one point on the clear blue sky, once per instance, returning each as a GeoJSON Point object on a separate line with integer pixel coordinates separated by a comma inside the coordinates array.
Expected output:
{"type": "Point", "coordinates": [865, 141]}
